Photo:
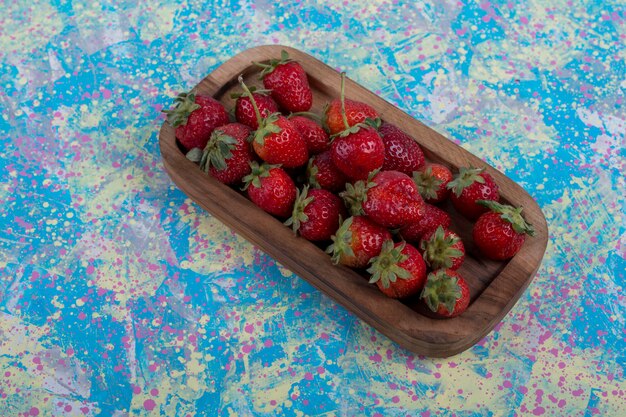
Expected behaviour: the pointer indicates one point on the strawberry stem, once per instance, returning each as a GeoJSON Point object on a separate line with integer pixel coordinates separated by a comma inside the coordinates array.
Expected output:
{"type": "Point", "coordinates": [253, 89]}
{"type": "Point", "coordinates": [248, 93]}
{"type": "Point", "coordinates": [310, 115]}
{"type": "Point", "coordinates": [342, 97]}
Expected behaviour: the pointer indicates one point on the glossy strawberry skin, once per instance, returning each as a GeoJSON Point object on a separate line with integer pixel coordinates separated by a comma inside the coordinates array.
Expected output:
{"type": "Point", "coordinates": [244, 111]}
{"type": "Point", "coordinates": [323, 173]}
{"type": "Point", "coordinates": [285, 147]}
{"type": "Point", "coordinates": [290, 87]}
{"type": "Point", "coordinates": [195, 133]}
{"type": "Point", "coordinates": [461, 303]}
{"type": "Point", "coordinates": [276, 195]}
{"type": "Point", "coordinates": [466, 202]}
{"type": "Point", "coordinates": [402, 152]}
{"type": "Point", "coordinates": [366, 241]}
{"type": "Point", "coordinates": [238, 165]}
{"type": "Point", "coordinates": [358, 154]}
{"type": "Point", "coordinates": [435, 177]}
{"type": "Point", "coordinates": [415, 265]}
{"type": "Point", "coordinates": [356, 112]}
{"type": "Point", "coordinates": [394, 202]}
{"type": "Point", "coordinates": [316, 138]}
{"type": "Point", "coordinates": [431, 218]}
{"type": "Point", "coordinates": [496, 238]}
{"type": "Point", "coordinates": [323, 214]}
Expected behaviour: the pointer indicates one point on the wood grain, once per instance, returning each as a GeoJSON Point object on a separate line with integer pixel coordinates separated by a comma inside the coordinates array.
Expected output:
{"type": "Point", "coordinates": [495, 286]}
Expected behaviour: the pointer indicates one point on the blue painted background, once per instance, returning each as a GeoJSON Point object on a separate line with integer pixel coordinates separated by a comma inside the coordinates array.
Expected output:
{"type": "Point", "coordinates": [119, 296]}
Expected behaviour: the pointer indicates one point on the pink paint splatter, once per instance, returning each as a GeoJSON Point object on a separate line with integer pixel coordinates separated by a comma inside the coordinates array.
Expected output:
{"type": "Point", "coordinates": [149, 404]}
{"type": "Point", "coordinates": [376, 358]}
{"type": "Point", "coordinates": [539, 411]}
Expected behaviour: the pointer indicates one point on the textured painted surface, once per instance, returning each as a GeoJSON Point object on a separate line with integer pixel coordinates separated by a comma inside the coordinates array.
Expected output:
{"type": "Point", "coordinates": [119, 296]}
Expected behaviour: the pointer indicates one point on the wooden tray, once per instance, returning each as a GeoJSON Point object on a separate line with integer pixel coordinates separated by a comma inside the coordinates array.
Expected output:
{"type": "Point", "coordinates": [495, 286]}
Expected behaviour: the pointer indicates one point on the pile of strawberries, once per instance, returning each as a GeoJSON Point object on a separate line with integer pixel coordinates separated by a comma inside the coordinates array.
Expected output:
{"type": "Point", "coordinates": [346, 180]}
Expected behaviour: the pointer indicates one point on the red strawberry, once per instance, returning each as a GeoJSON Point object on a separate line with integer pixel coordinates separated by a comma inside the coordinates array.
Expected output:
{"type": "Point", "coordinates": [359, 152]}
{"type": "Point", "coordinates": [501, 232]}
{"type": "Point", "coordinates": [322, 173]}
{"type": "Point", "coordinates": [469, 186]}
{"type": "Point", "coordinates": [288, 82]}
{"type": "Point", "coordinates": [443, 248]}
{"type": "Point", "coordinates": [316, 214]}
{"type": "Point", "coordinates": [195, 116]}
{"type": "Point", "coordinates": [432, 181]}
{"type": "Point", "coordinates": [389, 198]}
{"type": "Point", "coordinates": [357, 241]}
{"type": "Point", "coordinates": [314, 135]}
{"type": "Point", "coordinates": [356, 112]}
{"type": "Point", "coordinates": [431, 218]}
{"type": "Point", "coordinates": [446, 293]}
{"type": "Point", "coordinates": [399, 270]}
{"type": "Point", "coordinates": [227, 155]}
{"type": "Point", "coordinates": [277, 141]}
{"type": "Point", "coordinates": [342, 113]}
{"type": "Point", "coordinates": [271, 188]}
{"type": "Point", "coordinates": [402, 152]}
{"type": "Point", "coordinates": [244, 110]}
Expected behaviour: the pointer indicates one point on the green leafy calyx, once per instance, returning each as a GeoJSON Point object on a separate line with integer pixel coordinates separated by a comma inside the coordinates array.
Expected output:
{"type": "Point", "coordinates": [427, 183]}
{"type": "Point", "coordinates": [194, 155]}
{"type": "Point", "coordinates": [441, 288]}
{"type": "Point", "coordinates": [184, 105]}
{"type": "Point", "coordinates": [510, 214]}
{"type": "Point", "coordinates": [267, 126]}
{"type": "Point", "coordinates": [439, 251]}
{"type": "Point", "coordinates": [342, 242]}
{"type": "Point", "coordinates": [273, 63]}
{"type": "Point", "coordinates": [386, 266]}
{"type": "Point", "coordinates": [298, 216]}
{"type": "Point", "coordinates": [217, 151]}
{"type": "Point", "coordinates": [311, 173]}
{"type": "Point", "coordinates": [466, 177]}
{"type": "Point", "coordinates": [257, 172]}
{"type": "Point", "coordinates": [355, 195]}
